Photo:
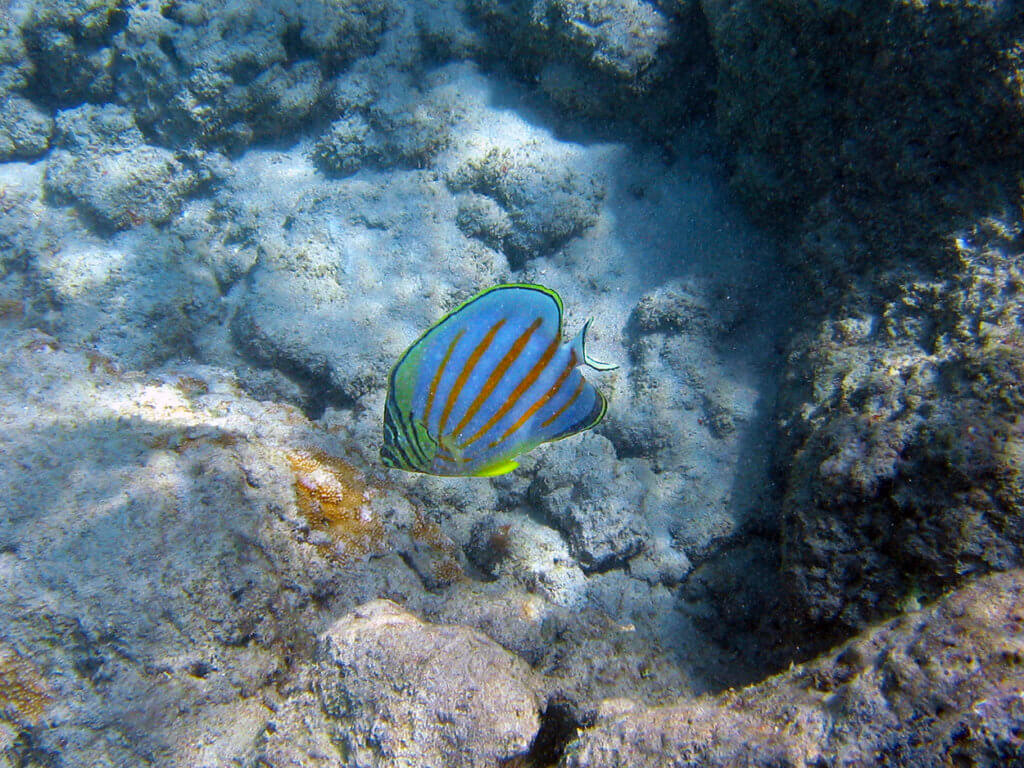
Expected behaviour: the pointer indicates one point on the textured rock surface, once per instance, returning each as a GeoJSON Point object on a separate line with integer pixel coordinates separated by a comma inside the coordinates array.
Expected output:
{"type": "Point", "coordinates": [103, 164]}
{"type": "Point", "coordinates": [404, 692]}
{"type": "Point", "coordinates": [539, 187]}
{"type": "Point", "coordinates": [168, 553]}
{"type": "Point", "coordinates": [813, 93]}
{"type": "Point", "coordinates": [649, 62]}
{"type": "Point", "coordinates": [599, 518]}
{"type": "Point", "coordinates": [933, 687]}
{"type": "Point", "coordinates": [901, 408]}
{"type": "Point", "coordinates": [388, 122]}
{"type": "Point", "coordinates": [907, 440]}
{"type": "Point", "coordinates": [378, 168]}
{"type": "Point", "coordinates": [247, 70]}
{"type": "Point", "coordinates": [367, 281]}
{"type": "Point", "coordinates": [24, 129]}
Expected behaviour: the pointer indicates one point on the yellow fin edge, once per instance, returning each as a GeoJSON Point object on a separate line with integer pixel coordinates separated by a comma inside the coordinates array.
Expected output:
{"type": "Point", "coordinates": [500, 468]}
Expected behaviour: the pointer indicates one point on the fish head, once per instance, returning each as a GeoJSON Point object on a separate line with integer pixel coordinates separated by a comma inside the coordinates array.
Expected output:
{"type": "Point", "coordinates": [407, 443]}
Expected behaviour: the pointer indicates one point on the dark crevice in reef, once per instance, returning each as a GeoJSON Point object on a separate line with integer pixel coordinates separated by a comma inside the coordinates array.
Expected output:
{"type": "Point", "coordinates": [558, 727]}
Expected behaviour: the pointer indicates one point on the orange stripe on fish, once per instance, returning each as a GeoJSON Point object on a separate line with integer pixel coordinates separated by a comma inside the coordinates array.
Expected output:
{"type": "Point", "coordinates": [467, 369]}
{"type": "Point", "coordinates": [524, 385]}
{"type": "Point", "coordinates": [570, 401]}
{"type": "Point", "coordinates": [541, 401]}
{"type": "Point", "coordinates": [437, 376]}
{"type": "Point", "coordinates": [499, 370]}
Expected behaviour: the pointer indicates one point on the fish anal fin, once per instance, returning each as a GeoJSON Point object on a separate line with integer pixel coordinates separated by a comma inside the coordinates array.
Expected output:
{"type": "Point", "coordinates": [499, 468]}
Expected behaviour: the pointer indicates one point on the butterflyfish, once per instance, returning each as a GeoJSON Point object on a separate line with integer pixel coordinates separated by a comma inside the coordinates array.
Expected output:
{"type": "Point", "coordinates": [490, 381]}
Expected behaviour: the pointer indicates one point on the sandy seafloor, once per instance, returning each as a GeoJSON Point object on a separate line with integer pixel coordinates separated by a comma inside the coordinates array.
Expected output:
{"type": "Point", "coordinates": [220, 226]}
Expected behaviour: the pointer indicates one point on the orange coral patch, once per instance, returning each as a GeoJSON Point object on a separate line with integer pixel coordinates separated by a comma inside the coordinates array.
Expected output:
{"type": "Point", "coordinates": [334, 497]}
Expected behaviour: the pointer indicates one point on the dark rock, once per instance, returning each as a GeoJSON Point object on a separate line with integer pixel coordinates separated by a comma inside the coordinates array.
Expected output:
{"type": "Point", "coordinates": [903, 445]}
{"type": "Point", "coordinates": [648, 63]}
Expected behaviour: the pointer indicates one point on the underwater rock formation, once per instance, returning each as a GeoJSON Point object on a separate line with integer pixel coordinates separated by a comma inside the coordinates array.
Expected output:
{"type": "Point", "coordinates": [846, 127]}
{"type": "Point", "coordinates": [600, 519]}
{"type": "Point", "coordinates": [906, 441]}
{"type": "Point", "coordinates": [243, 212]}
{"type": "Point", "coordinates": [102, 163]}
{"type": "Point", "coordinates": [614, 59]}
{"type": "Point", "coordinates": [933, 686]}
{"type": "Point", "coordinates": [387, 122]}
{"type": "Point", "coordinates": [899, 195]}
{"type": "Point", "coordinates": [374, 250]}
{"type": "Point", "coordinates": [226, 76]}
{"type": "Point", "coordinates": [539, 190]}
{"type": "Point", "coordinates": [24, 129]}
{"type": "Point", "coordinates": [400, 691]}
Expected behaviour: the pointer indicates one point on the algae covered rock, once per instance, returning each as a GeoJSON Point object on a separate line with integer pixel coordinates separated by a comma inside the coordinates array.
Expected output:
{"type": "Point", "coordinates": [399, 691]}
{"type": "Point", "coordinates": [899, 195]}
{"type": "Point", "coordinates": [542, 189]}
{"type": "Point", "coordinates": [369, 282]}
{"type": "Point", "coordinates": [70, 45]}
{"type": "Point", "coordinates": [387, 122]}
{"type": "Point", "coordinates": [24, 129]}
{"type": "Point", "coordinates": [247, 71]}
{"type": "Point", "coordinates": [844, 120]}
{"type": "Point", "coordinates": [15, 65]}
{"type": "Point", "coordinates": [103, 164]}
{"type": "Point", "coordinates": [139, 297]}
{"type": "Point", "coordinates": [905, 439]}
{"type": "Point", "coordinates": [646, 62]}
{"type": "Point", "coordinates": [599, 518]}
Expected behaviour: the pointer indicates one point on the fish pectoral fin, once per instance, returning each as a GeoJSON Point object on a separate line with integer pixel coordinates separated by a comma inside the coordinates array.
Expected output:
{"type": "Point", "coordinates": [499, 468]}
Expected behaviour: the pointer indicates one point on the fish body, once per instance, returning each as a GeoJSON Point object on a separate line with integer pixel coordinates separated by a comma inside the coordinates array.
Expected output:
{"type": "Point", "coordinates": [490, 381]}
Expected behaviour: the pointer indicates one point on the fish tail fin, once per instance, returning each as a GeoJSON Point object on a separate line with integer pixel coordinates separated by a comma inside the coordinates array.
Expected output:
{"type": "Point", "coordinates": [579, 346]}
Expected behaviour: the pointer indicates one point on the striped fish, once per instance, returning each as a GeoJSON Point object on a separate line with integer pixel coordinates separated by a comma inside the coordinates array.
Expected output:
{"type": "Point", "coordinates": [490, 381]}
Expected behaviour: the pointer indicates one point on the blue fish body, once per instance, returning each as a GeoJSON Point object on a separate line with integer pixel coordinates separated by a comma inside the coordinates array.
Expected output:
{"type": "Point", "coordinates": [490, 381]}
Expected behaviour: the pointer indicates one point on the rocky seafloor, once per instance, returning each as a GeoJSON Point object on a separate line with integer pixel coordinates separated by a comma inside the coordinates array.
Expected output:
{"type": "Point", "coordinates": [796, 540]}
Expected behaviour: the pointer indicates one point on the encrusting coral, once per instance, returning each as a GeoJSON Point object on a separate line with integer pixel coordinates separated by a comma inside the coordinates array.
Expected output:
{"type": "Point", "coordinates": [332, 495]}
{"type": "Point", "coordinates": [24, 694]}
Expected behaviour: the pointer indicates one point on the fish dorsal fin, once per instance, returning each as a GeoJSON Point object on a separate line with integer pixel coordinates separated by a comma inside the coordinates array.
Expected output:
{"type": "Point", "coordinates": [579, 346]}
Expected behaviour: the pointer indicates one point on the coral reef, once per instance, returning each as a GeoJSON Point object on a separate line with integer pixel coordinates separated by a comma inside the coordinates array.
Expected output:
{"type": "Point", "coordinates": [906, 441]}
{"type": "Point", "coordinates": [649, 63]}
{"type": "Point", "coordinates": [71, 49]}
{"type": "Point", "coordinates": [598, 519]}
{"type": "Point", "coordinates": [249, 70]}
{"type": "Point", "coordinates": [388, 123]}
{"type": "Point", "coordinates": [900, 198]}
{"type": "Point", "coordinates": [220, 224]}
{"type": "Point", "coordinates": [24, 129]}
